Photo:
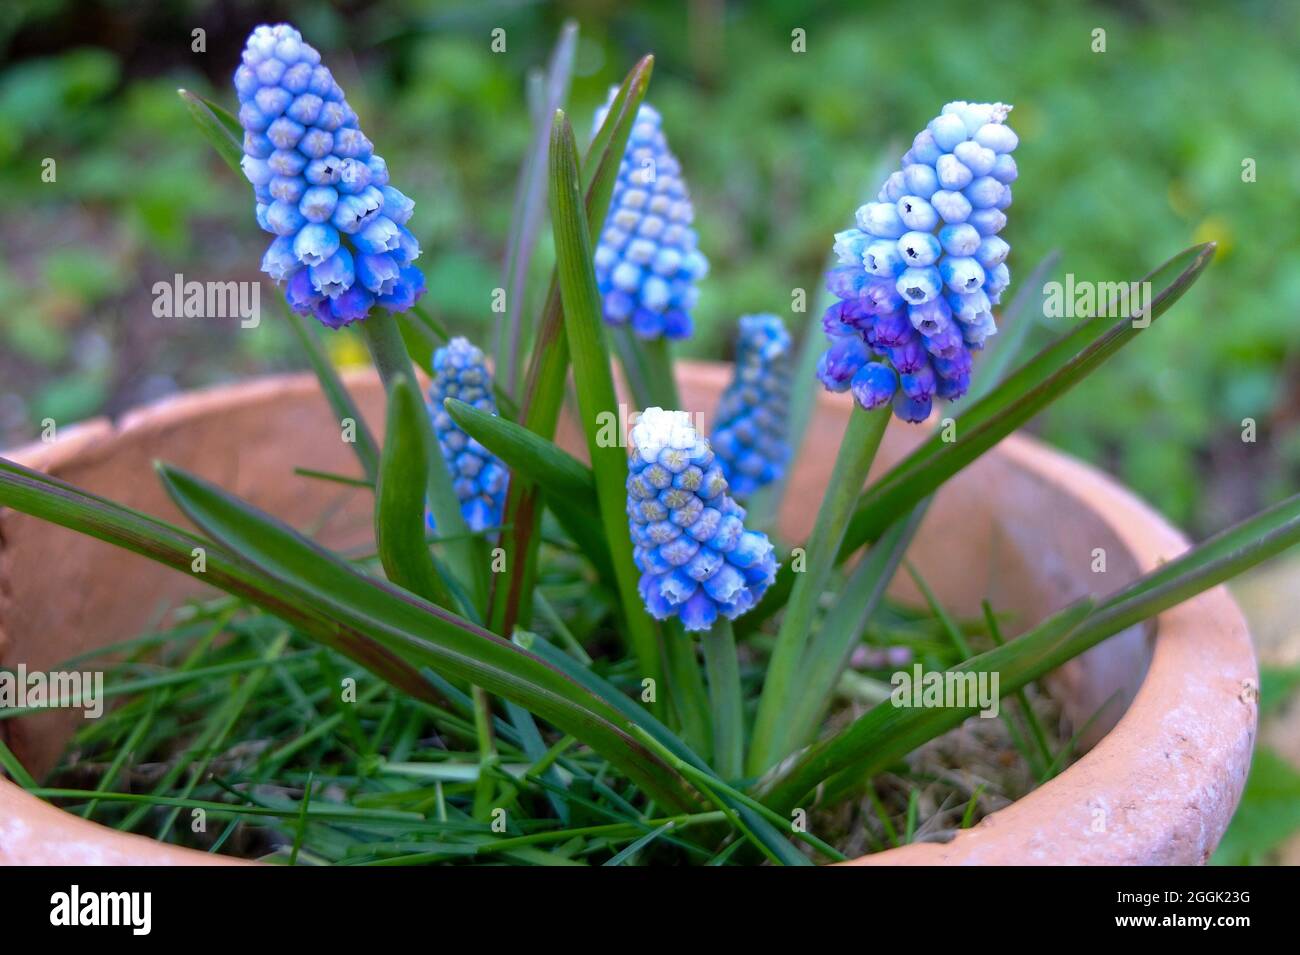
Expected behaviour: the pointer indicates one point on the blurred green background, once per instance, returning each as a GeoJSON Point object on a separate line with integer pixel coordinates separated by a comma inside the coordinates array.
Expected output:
{"type": "Point", "coordinates": [1126, 157]}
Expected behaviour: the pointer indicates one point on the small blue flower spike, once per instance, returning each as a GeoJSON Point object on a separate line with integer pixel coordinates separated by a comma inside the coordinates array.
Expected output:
{"type": "Point", "coordinates": [646, 260]}
{"type": "Point", "coordinates": [478, 477]}
{"type": "Point", "coordinates": [918, 278]}
{"type": "Point", "coordinates": [342, 245]}
{"type": "Point", "coordinates": [696, 558]}
{"type": "Point", "coordinates": [749, 431]}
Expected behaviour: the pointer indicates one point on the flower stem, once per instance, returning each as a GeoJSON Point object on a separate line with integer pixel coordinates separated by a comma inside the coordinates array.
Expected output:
{"type": "Point", "coordinates": [487, 754]}
{"type": "Point", "coordinates": [723, 668]}
{"type": "Point", "coordinates": [857, 450]}
{"type": "Point", "coordinates": [647, 369]}
{"type": "Point", "coordinates": [686, 688]}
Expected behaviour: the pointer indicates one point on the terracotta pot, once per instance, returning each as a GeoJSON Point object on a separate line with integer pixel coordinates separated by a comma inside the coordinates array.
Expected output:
{"type": "Point", "coordinates": [1166, 764]}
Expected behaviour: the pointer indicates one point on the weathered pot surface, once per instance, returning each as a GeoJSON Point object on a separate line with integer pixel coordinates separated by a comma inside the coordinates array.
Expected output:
{"type": "Point", "coordinates": [1168, 756]}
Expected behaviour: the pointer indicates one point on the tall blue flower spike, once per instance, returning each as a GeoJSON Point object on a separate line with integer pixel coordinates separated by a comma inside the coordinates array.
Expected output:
{"type": "Point", "coordinates": [479, 478]}
{"type": "Point", "coordinates": [690, 544]}
{"type": "Point", "coordinates": [646, 261]}
{"type": "Point", "coordinates": [342, 246]}
{"type": "Point", "coordinates": [749, 431]}
{"type": "Point", "coordinates": [918, 278]}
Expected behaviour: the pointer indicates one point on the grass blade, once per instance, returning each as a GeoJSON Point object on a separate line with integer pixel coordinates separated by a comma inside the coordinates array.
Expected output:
{"type": "Point", "coordinates": [16, 770]}
{"type": "Point", "coordinates": [1034, 727]}
{"type": "Point", "coordinates": [634, 848]}
{"type": "Point", "coordinates": [886, 732]}
{"type": "Point", "coordinates": [1034, 757]}
{"type": "Point", "coordinates": [420, 632]}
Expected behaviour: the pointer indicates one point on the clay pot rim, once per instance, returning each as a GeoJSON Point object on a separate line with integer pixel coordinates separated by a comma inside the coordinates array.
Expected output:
{"type": "Point", "coordinates": [1118, 771]}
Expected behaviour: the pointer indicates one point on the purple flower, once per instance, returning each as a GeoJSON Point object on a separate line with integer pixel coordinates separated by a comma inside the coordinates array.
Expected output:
{"type": "Point", "coordinates": [841, 362]}
{"type": "Point", "coordinates": [918, 278]}
{"type": "Point", "coordinates": [874, 385]}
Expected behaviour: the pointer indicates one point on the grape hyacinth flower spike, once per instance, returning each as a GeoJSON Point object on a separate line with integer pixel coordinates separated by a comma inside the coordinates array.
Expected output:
{"type": "Point", "coordinates": [341, 246]}
{"type": "Point", "coordinates": [646, 260]}
{"type": "Point", "coordinates": [918, 278]}
{"type": "Point", "coordinates": [696, 558]}
{"type": "Point", "coordinates": [478, 476]}
{"type": "Point", "coordinates": [749, 430]}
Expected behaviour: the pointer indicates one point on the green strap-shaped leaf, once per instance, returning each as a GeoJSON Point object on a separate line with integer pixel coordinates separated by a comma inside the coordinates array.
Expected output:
{"type": "Point", "coordinates": [841, 630]}
{"type": "Point", "coordinates": [1015, 401]}
{"type": "Point", "coordinates": [886, 732]}
{"type": "Point", "coordinates": [529, 210]}
{"type": "Point", "coordinates": [760, 827]}
{"type": "Point", "coordinates": [1027, 391]}
{"type": "Point", "coordinates": [218, 127]}
{"type": "Point", "coordinates": [467, 554]}
{"type": "Point", "coordinates": [1014, 325]}
{"type": "Point", "coordinates": [421, 633]}
{"type": "Point", "coordinates": [597, 400]}
{"type": "Point", "coordinates": [58, 502]}
{"type": "Point", "coordinates": [340, 401]}
{"type": "Point", "coordinates": [381, 628]}
{"type": "Point", "coordinates": [544, 462]}
{"type": "Point", "coordinates": [399, 499]}
{"type": "Point", "coordinates": [569, 485]}
{"type": "Point", "coordinates": [543, 393]}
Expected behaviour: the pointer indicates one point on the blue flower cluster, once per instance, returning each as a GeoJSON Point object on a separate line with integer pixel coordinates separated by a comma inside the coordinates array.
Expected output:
{"type": "Point", "coordinates": [342, 245]}
{"type": "Point", "coordinates": [749, 430]}
{"type": "Point", "coordinates": [695, 556]}
{"type": "Point", "coordinates": [478, 476]}
{"type": "Point", "coordinates": [646, 261]}
{"type": "Point", "coordinates": [919, 276]}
